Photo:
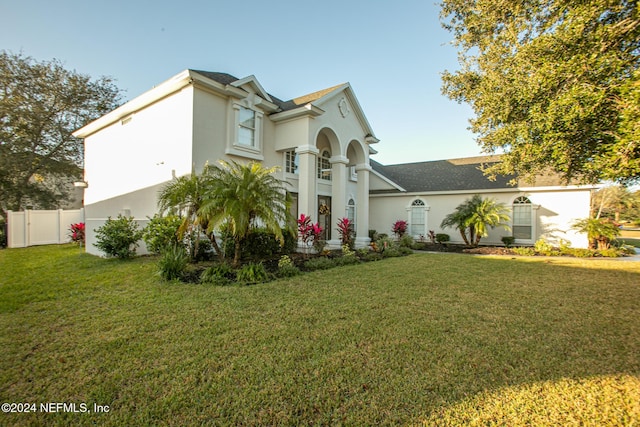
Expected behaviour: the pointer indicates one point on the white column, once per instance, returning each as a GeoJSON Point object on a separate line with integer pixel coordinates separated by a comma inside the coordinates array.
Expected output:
{"type": "Point", "coordinates": [362, 207]}
{"type": "Point", "coordinates": [338, 195]}
{"type": "Point", "coordinates": [307, 198]}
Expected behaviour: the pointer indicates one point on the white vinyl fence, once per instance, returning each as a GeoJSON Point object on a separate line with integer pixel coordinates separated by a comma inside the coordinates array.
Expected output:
{"type": "Point", "coordinates": [35, 227]}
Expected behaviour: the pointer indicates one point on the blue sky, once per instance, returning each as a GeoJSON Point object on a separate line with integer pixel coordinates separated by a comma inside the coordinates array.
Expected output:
{"type": "Point", "coordinates": [392, 53]}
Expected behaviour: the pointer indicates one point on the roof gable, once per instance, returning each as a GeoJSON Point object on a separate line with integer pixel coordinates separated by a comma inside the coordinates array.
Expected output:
{"type": "Point", "coordinates": [253, 83]}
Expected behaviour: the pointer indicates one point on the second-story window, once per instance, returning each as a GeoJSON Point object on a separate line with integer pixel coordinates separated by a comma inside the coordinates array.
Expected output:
{"type": "Point", "coordinates": [247, 127]}
{"type": "Point", "coordinates": [291, 161]}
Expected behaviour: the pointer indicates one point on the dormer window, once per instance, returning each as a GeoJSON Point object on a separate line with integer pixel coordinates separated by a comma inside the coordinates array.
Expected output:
{"type": "Point", "coordinates": [246, 127]}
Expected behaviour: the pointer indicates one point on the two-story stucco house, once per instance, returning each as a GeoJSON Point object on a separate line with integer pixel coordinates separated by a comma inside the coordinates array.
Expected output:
{"type": "Point", "coordinates": [321, 141]}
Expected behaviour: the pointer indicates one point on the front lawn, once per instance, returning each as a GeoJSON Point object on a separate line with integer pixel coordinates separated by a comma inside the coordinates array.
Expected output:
{"type": "Point", "coordinates": [434, 339]}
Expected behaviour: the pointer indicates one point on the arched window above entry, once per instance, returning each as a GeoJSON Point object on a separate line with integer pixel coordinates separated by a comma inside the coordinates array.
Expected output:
{"type": "Point", "coordinates": [324, 166]}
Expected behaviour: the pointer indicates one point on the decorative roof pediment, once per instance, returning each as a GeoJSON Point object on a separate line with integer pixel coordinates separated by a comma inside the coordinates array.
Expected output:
{"type": "Point", "coordinates": [251, 84]}
{"type": "Point", "coordinates": [317, 103]}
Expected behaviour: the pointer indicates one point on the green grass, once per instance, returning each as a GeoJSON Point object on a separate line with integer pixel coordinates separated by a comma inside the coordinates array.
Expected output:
{"type": "Point", "coordinates": [433, 339]}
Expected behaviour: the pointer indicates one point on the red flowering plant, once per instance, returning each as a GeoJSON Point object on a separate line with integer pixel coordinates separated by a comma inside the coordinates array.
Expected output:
{"type": "Point", "coordinates": [308, 232]}
{"type": "Point", "coordinates": [77, 233]}
{"type": "Point", "coordinates": [399, 228]}
{"type": "Point", "coordinates": [345, 229]}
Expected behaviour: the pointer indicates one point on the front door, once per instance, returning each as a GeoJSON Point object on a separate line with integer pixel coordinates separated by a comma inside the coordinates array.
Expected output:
{"type": "Point", "coordinates": [324, 216]}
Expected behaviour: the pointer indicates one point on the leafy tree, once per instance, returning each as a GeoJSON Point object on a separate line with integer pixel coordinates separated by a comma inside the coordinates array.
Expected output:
{"type": "Point", "coordinates": [553, 84]}
{"type": "Point", "coordinates": [184, 196]}
{"type": "Point", "coordinates": [473, 218]}
{"type": "Point", "coordinates": [245, 196]}
{"type": "Point", "coordinates": [41, 103]}
{"type": "Point", "coordinates": [615, 202]}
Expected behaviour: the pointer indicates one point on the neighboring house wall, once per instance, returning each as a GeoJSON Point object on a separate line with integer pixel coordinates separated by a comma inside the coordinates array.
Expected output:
{"type": "Point", "coordinates": [553, 212]}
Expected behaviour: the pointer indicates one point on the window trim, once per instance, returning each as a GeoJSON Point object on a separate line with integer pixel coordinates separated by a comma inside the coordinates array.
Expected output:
{"type": "Point", "coordinates": [242, 124]}
{"type": "Point", "coordinates": [288, 162]}
{"type": "Point", "coordinates": [351, 206]}
{"type": "Point", "coordinates": [524, 201]}
{"type": "Point", "coordinates": [425, 209]}
{"type": "Point", "coordinates": [234, 147]}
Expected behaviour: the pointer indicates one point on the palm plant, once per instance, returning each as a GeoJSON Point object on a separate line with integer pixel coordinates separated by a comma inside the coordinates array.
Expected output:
{"type": "Point", "coordinates": [473, 218]}
{"type": "Point", "coordinates": [245, 195]}
{"type": "Point", "coordinates": [184, 196]}
{"type": "Point", "coordinates": [487, 213]}
{"type": "Point", "coordinates": [600, 231]}
{"type": "Point", "coordinates": [458, 220]}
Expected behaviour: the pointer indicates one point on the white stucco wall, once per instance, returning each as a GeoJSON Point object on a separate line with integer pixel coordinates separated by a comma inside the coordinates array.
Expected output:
{"type": "Point", "coordinates": [143, 151]}
{"type": "Point", "coordinates": [126, 161]}
{"type": "Point", "coordinates": [554, 211]}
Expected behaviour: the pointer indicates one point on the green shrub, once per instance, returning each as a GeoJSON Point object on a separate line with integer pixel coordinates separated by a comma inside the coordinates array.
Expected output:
{"type": "Point", "coordinates": [203, 252]}
{"type": "Point", "coordinates": [161, 233]}
{"type": "Point", "coordinates": [442, 238]}
{"type": "Point", "coordinates": [362, 252]}
{"type": "Point", "coordinates": [420, 246]}
{"type": "Point", "coordinates": [385, 243]}
{"type": "Point", "coordinates": [371, 256]}
{"type": "Point", "coordinates": [118, 237]}
{"type": "Point", "coordinates": [318, 245]}
{"type": "Point", "coordinates": [406, 241]}
{"type": "Point", "coordinates": [221, 274]}
{"type": "Point", "coordinates": [173, 262]}
{"type": "Point", "coordinates": [391, 253]}
{"type": "Point", "coordinates": [320, 263]}
{"type": "Point", "coordinates": [252, 273]}
{"type": "Point", "coordinates": [508, 240]}
{"type": "Point", "coordinates": [579, 252]}
{"type": "Point", "coordinates": [286, 268]}
{"type": "Point", "coordinates": [373, 235]}
{"type": "Point", "coordinates": [348, 257]}
{"type": "Point", "coordinates": [524, 251]}
{"type": "Point", "coordinates": [259, 244]}
{"type": "Point", "coordinates": [405, 250]}
{"type": "Point", "coordinates": [544, 248]}
{"type": "Point", "coordinates": [610, 253]}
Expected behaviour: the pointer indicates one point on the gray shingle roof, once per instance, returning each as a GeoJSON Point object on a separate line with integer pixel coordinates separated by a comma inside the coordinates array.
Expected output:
{"type": "Point", "coordinates": [225, 79]}
{"type": "Point", "coordinates": [445, 175]}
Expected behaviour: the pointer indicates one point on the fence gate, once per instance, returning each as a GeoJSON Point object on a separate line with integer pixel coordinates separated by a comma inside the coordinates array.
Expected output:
{"type": "Point", "coordinates": [36, 227]}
